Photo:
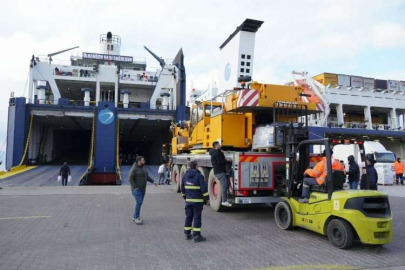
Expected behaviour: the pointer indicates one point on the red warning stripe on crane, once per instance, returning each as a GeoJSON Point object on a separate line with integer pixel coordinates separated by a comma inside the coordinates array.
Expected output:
{"type": "Point", "coordinates": [248, 158]}
{"type": "Point", "coordinates": [248, 97]}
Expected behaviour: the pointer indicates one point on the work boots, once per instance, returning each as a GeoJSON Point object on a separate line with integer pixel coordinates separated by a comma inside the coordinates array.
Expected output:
{"type": "Point", "coordinates": [188, 237]}
{"type": "Point", "coordinates": [304, 200]}
{"type": "Point", "coordinates": [199, 238]}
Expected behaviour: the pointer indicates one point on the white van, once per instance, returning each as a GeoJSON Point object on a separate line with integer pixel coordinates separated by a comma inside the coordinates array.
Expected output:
{"type": "Point", "coordinates": [384, 158]}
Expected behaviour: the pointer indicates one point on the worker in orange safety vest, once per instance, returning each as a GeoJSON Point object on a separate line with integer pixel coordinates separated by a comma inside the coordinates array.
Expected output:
{"type": "Point", "coordinates": [399, 168]}
{"type": "Point", "coordinates": [317, 175]}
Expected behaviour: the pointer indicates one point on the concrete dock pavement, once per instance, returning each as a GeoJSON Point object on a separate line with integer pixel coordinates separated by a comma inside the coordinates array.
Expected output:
{"type": "Point", "coordinates": [91, 227]}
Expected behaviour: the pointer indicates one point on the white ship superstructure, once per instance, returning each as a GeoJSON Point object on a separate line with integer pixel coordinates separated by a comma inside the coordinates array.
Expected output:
{"type": "Point", "coordinates": [111, 76]}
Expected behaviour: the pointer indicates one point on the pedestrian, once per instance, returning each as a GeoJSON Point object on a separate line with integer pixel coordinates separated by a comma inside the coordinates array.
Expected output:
{"type": "Point", "coordinates": [371, 173]}
{"type": "Point", "coordinates": [64, 172]}
{"type": "Point", "coordinates": [138, 176]}
{"type": "Point", "coordinates": [167, 182]}
{"type": "Point", "coordinates": [165, 160]}
{"type": "Point", "coordinates": [161, 173]}
{"type": "Point", "coordinates": [194, 192]}
{"type": "Point", "coordinates": [399, 170]}
{"type": "Point", "coordinates": [354, 172]}
{"type": "Point", "coordinates": [218, 162]}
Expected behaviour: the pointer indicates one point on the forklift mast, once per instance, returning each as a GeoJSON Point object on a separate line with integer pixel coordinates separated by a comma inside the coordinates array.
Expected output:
{"type": "Point", "coordinates": [291, 128]}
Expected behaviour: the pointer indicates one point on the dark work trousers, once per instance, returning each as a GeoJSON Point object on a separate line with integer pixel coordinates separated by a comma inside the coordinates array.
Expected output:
{"type": "Point", "coordinates": [306, 187]}
{"type": "Point", "coordinates": [64, 180]}
{"type": "Point", "coordinates": [399, 178]}
{"type": "Point", "coordinates": [193, 219]}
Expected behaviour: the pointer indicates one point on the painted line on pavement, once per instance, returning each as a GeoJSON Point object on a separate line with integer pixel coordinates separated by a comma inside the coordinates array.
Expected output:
{"type": "Point", "coordinates": [7, 218]}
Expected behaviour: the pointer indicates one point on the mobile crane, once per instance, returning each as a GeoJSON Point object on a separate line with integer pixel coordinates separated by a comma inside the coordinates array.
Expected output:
{"type": "Point", "coordinates": [256, 175]}
{"type": "Point", "coordinates": [276, 176]}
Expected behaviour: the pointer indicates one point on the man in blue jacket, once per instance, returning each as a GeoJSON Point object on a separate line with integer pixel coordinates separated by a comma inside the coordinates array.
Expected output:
{"type": "Point", "coordinates": [194, 191]}
{"type": "Point", "coordinates": [371, 173]}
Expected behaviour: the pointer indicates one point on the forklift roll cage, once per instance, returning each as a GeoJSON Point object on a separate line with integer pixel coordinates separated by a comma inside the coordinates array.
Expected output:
{"type": "Point", "coordinates": [296, 165]}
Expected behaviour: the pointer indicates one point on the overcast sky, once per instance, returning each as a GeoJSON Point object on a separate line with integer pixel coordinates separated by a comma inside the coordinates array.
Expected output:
{"type": "Point", "coordinates": [365, 38]}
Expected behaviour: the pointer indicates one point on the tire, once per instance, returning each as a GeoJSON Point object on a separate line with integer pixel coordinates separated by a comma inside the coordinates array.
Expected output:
{"type": "Point", "coordinates": [183, 171]}
{"type": "Point", "coordinates": [175, 177]}
{"type": "Point", "coordinates": [215, 191]}
{"type": "Point", "coordinates": [340, 233]}
{"type": "Point", "coordinates": [205, 172]}
{"type": "Point", "coordinates": [283, 216]}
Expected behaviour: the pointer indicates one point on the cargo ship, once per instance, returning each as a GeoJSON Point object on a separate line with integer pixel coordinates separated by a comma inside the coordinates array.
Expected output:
{"type": "Point", "coordinates": [98, 112]}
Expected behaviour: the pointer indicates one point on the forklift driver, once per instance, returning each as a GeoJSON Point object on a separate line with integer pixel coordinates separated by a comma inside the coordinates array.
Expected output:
{"type": "Point", "coordinates": [317, 175]}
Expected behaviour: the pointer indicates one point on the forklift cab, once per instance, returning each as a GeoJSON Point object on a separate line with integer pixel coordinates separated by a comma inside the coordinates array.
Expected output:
{"type": "Point", "coordinates": [299, 162]}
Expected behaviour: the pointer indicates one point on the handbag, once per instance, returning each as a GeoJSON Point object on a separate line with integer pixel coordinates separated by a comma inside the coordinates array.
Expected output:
{"type": "Point", "coordinates": [59, 178]}
{"type": "Point", "coordinates": [70, 179]}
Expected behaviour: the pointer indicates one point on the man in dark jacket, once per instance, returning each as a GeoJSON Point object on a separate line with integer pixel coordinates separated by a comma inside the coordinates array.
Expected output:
{"type": "Point", "coordinates": [64, 172]}
{"type": "Point", "coordinates": [218, 162]}
{"type": "Point", "coordinates": [371, 173]}
{"type": "Point", "coordinates": [354, 172]}
{"type": "Point", "coordinates": [194, 191]}
{"type": "Point", "coordinates": [138, 176]}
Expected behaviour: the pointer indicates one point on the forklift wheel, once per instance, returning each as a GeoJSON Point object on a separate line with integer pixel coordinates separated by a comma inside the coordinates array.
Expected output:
{"type": "Point", "coordinates": [340, 233]}
{"type": "Point", "coordinates": [283, 216]}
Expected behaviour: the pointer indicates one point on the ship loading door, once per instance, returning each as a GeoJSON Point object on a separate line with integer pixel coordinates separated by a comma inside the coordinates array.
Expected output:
{"type": "Point", "coordinates": [142, 137]}
{"type": "Point", "coordinates": [57, 139]}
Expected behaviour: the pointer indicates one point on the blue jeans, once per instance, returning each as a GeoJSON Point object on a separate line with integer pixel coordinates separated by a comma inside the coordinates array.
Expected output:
{"type": "Point", "coordinates": [224, 182]}
{"type": "Point", "coordinates": [354, 184]}
{"type": "Point", "coordinates": [307, 183]}
{"type": "Point", "coordinates": [138, 194]}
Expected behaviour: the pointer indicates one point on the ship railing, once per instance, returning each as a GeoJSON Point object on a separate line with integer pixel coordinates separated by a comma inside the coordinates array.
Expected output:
{"type": "Point", "coordinates": [360, 125]}
{"type": "Point", "coordinates": [44, 102]}
{"type": "Point", "coordinates": [113, 39]}
{"type": "Point", "coordinates": [73, 71]}
{"type": "Point", "coordinates": [145, 106]}
{"type": "Point", "coordinates": [72, 102]}
{"type": "Point", "coordinates": [386, 127]}
{"type": "Point", "coordinates": [81, 103]}
{"type": "Point", "coordinates": [127, 75]}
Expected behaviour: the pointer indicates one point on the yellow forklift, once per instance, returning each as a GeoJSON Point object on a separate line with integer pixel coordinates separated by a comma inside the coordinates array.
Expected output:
{"type": "Point", "coordinates": [342, 215]}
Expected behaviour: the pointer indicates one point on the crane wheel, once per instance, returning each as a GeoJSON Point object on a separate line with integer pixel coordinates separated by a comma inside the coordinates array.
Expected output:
{"type": "Point", "coordinates": [183, 171]}
{"type": "Point", "coordinates": [215, 192]}
{"type": "Point", "coordinates": [283, 216]}
{"type": "Point", "coordinates": [340, 233]}
{"type": "Point", "coordinates": [175, 178]}
{"type": "Point", "coordinates": [205, 172]}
